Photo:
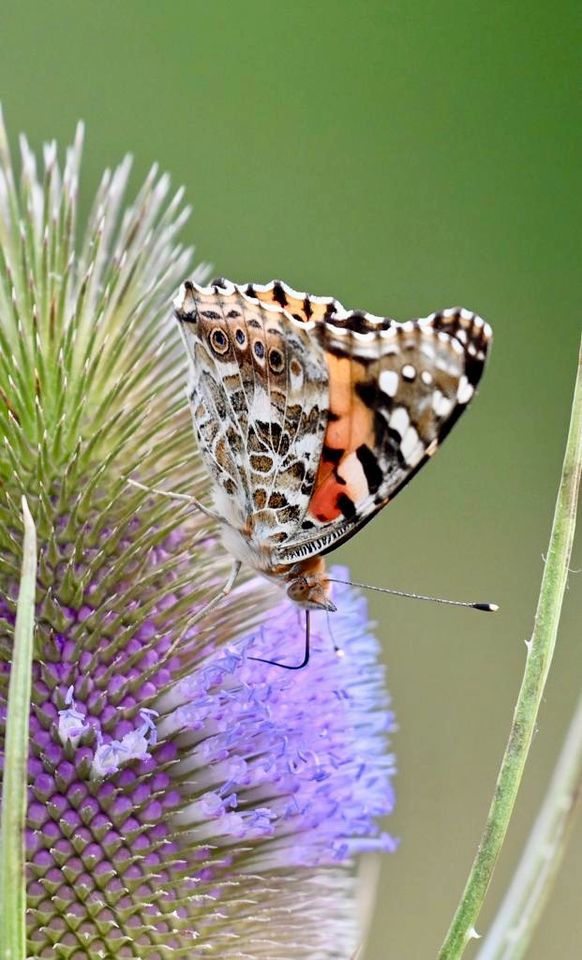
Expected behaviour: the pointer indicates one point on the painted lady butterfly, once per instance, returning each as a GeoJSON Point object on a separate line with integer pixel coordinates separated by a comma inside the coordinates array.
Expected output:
{"type": "Point", "coordinates": [311, 418]}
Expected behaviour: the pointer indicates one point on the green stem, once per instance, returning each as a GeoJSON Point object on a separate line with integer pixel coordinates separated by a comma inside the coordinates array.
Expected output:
{"type": "Point", "coordinates": [513, 927]}
{"type": "Point", "coordinates": [14, 793]}
{"type": "Point", "coordinates": [538, 660]}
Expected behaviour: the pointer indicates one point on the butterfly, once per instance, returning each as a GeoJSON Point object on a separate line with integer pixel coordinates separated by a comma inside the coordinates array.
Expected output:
{"type": "Point", "coordinates": [310, 418]}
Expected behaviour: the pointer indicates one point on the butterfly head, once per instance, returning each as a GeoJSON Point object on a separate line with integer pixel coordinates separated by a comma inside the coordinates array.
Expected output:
{"type": "Point", "coordinates": [310, 592]}
{"type": "Point", "coordinates": [309, 586]}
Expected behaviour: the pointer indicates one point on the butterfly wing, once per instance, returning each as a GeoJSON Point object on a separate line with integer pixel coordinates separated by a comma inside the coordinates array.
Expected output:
{"type": "Point", "coordinates": [310, 418]}
{"type": "Point", "coordinates": [395, 391]}
{"type": "Point", "coordinates": [259, 397]}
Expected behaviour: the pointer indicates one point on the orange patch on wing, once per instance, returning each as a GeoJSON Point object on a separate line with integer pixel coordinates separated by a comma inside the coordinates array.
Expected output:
{"type": "Point", "coordinates": [351, 424]}
{"type": "Point", "coordinates": [324, 499]}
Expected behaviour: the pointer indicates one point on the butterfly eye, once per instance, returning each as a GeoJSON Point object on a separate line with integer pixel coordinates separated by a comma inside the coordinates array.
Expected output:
{"type": "Point", "coordinates": [276, 361]}
{"type": "Point", "coordinates": [240, 337]}
{"type": "Point", "coordinates": [219, 341]}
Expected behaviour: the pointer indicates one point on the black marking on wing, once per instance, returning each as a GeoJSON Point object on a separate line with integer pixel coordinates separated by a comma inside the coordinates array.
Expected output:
{"type": "Point", "coordinates": [279, 294]}
{"type": "Point", "coordinates": [369, 461]}
{"type": "Point", "coordinates": [332, 454]}
{"type": "Point", "coordinates": [372, 396]}
{"type": "Point", "coordinates": [346, 505]}
{"type": "Point", "coordinates": [359, 322]}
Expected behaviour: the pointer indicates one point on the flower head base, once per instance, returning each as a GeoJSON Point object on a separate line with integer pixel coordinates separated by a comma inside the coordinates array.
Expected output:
{"type": "Point", "coordinates": [184, 800]}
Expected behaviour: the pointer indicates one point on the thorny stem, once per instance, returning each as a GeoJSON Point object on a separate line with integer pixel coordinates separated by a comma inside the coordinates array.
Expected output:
{"type": "Point", "coordinates": [14, 793]}
{"type": "Point", "coordinates": [539, 657]}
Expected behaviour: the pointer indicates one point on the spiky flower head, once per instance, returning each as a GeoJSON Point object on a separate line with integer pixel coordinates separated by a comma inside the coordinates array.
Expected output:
{"type": "Point", "coordinates": [183, 800]}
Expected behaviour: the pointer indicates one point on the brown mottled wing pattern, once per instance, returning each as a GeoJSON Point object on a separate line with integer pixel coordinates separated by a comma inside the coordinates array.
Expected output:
{"type": "Point", "coordinates": [259, 397]}
{"type": "Point", "coordinates": [395, 391]}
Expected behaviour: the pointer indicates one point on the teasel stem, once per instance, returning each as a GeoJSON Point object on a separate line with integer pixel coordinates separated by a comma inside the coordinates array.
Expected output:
{"type": "Point", "coordinates": [540, 649]}
{"type": "Point", "coordinates": [14, 794]}
{"type": "Point", "coordinates": [523, 904]}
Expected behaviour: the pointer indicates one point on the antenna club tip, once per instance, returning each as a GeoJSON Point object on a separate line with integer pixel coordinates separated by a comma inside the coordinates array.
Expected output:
{"type": "Point", "coordinates": [487, 607]}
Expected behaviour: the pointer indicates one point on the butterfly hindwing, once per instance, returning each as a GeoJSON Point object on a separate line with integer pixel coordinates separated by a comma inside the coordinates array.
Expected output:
{"type": "Point", "coordinates": [259, 396]}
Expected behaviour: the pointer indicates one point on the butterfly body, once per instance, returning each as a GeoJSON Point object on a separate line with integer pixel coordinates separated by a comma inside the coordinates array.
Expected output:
{"type": "Point", "coordinates": [310, 418]}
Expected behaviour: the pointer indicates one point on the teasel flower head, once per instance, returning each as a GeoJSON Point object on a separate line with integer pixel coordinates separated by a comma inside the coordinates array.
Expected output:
{"type": "Point", "coordinates": [184, 800]}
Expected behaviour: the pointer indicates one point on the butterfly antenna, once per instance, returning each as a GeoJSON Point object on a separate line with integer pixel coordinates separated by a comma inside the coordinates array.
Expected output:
{"type": "Point", "coordinates": [292, 666]}
{"type": "Point", "coordinates": [336, 647]}
{"type": "Point", "coordinates": [486, 607]}
{"type": "Point", "coordinates": [175, 496]}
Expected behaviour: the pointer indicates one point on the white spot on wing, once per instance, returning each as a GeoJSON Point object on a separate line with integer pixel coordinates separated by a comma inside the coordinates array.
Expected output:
{"type": "Point", "coordinates": [441, 405]}
{"type": "Point", "coordinates": [399, 420]}
{"type": "Point", "coordinates": [411, 446]}
{"type": "Point", "coordinates": [389, 382]}
{"type": "Point", "coordinates": [352, 472]}
{"type": "Point", "coordinates": [465, 390]}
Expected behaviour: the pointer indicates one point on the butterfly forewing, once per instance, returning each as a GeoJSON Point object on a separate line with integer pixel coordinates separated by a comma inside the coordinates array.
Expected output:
{"type": "Point", "coordinates": [395, 390]}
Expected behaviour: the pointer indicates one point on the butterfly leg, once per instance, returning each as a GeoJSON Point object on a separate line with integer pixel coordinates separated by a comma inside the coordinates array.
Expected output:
{"type": "Point", "coordinates": [292, 666]}
{"type": "Point", "coordinates": [208, 607]}
{"type": "Point", "coordinates": [177, 496]}
{"type": "Point", "coordinates": [222, 593]}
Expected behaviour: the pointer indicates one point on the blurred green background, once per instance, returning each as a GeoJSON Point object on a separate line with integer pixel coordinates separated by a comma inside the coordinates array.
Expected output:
{"type": "Point", "coordinates": [403, 157]}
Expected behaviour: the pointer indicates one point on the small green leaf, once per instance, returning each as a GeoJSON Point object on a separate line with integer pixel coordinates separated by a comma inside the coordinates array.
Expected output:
{"type": "Point", "coordinates": [14, 793]}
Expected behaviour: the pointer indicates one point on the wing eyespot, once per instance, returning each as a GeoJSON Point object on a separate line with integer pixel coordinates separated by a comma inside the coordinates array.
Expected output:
{"type": "Point", "coordinates": [259, 349]}
{"type": "Point", "coordinates": [276, 360]}
{"type": "Point", "coordinates": [219, 341]}
{"type": "Point", "coordinates": [240, 337]}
